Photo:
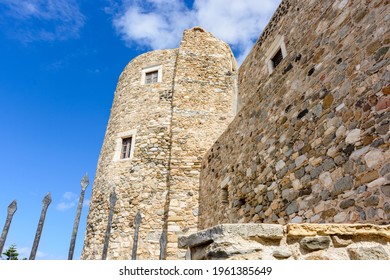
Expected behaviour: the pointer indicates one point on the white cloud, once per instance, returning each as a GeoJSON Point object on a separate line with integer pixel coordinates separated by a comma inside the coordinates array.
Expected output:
{"type": "Point", "coordinates": [86, 203]}
{"type": "Point", "coordinates": [69, 196]}
{"type": "Point", "coordinates": [158, 24]}
{"type": "Point", "coordinates": [48, 20]}
{"type": "Point", "coordinates": [68, 201]}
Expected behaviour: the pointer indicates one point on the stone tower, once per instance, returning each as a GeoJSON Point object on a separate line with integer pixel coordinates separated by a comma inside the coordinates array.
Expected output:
{"type": "Point", "coordinates": [169, 107]}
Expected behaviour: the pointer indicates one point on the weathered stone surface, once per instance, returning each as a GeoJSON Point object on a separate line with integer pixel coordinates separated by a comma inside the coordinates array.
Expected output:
{"type": "Point", "coordinates": [338, 229]}
{"type": "Point", "coordinates": [369, 253]}
{"type": "Point", "coordinates": [282, 253]}
{"type": "Point", "coordinates": [300, 160]}
{"type": "Point", "coordinates": [292, 208]}
{"type": "Point", "coordinates": [353, 136]}
{"type": "Point", "coordinates": [265, 231]}
{"type": "Point", "coordinates": [315, 243]}
{"type": "Point", "coordinates": [328, 242]}
{"type": "Point", "coordinates": [383, 103]}
{"type": "Point", "coordinates": [342, 241]}
{"type": "Point", "coordinates": [340, 217]}
{"type": "Point", "coordinates": [326, 179]}
{"type": "Point", "coordinates": [373, 158]}
{"type": "Point", "coordinates": [386, 190]}
{"type": "Point", "coordinates": [376, 183]}
{"type": "Point", "coordinates": [343, 184]}
{"type": "Point", "coordinates": [347, 203]}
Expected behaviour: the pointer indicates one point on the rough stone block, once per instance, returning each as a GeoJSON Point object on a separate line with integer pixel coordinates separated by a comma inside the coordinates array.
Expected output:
{"type": "Point", "coordinates": [343, 184]}
{"type": "Point", "coordinates": [368, 253]}
{"type": "Point", "coordinates": [315, 243]}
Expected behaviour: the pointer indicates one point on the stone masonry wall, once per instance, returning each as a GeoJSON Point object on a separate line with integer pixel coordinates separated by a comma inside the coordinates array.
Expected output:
{"type": "Point", "coordinates": [175, 123]}
{"type": "Point", "coordinates": [311, 142]}
{"type": "Point", "coordinates": [289, 242]}
{"type": "Point", "coordinates": [202, 108]}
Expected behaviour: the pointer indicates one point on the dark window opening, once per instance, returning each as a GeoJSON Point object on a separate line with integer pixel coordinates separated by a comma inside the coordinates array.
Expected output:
{"type": "Point", "coordinates": [278, 57]}
{"type": "Point", "coordinates": [151, 77]}
{"type": "Point", "coordinates": [225, 196]}
{"type": "Point", "coordinates": [126, 148]}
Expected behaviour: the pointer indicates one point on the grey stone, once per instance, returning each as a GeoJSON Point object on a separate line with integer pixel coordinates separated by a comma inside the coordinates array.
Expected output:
{"type": "Point", "coordinates": [324, 194]}
{"type": "Point", "coordinates": [339, 160]}
{"type": "Point", "coordinates": [361, 189]}
{"type": "Point", "coordinates": [305, 179]}
{"type": "Point", "coordinates": [297, 220]}
{"type": "Point", "coordinates": [385, 169]}
{"type": "Point", "coordinates": [285, 193]}
{"type": "Point", "coordinates": [358, 153]}
{"type": "Point", "coordinates": [279, 165]}
{"type": "Point", "coordinates": [283, 172]}
{"type": "Point", "coordinates": [349, 167]}
{"type": "Point", "coordinates": [383, 129]}
{"type": "Point", "coordinates": [340, 217]}
{"type": "Point", "coordinates": [386, 190]}
{"type": "Point", "coordinates": [316, 172]}
{"type": "Point", "coordinates": [270, 195]}
{"type": "Point", "coordinates": [267, 231]}
{"type": "Point", "coordinates": [309, 168]}
{"type": "Point", "coordinates": [315, 243]}
{"type": "Point", "coordinates": [291, 166]}
{"type": "Point", "coordinates": [377, 66]}
{"type": "Point", "coordinates": [368, 253]}
{"type": "Point", "coordinates": [347, 203]}
{"type": "Point", "coordinates": [299, 173]}
{"type": "Point", "coordinates": [371, 201]}
{"type": "Point", "coordinates": [258, 208]}
{"type": "Point", "coordinates": [292, 208]}
{"type": "Point", "coordinates": [372, 213]}
{"type": "Point", "coordinates": [283, 253]}
{"type": "Point", "coordinates": [386, 207]}
{"type": "Point", "coordinates": [328, 164]}
{"type": "Point", "coordinates": [288, 152]}
{"type": "Point", "coordinates": [301, 159]}
{"type": "Point", "coordinates": [318, 110]}
{"type": "Point", "coordinates": [343, 184]}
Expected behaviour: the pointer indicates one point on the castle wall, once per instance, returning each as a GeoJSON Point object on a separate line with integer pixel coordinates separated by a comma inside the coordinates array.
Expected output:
{"type": "Point", "coordinates": [311, 142]}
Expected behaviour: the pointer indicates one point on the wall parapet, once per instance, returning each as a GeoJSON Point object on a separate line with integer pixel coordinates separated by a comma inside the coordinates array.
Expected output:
{"type": "Point", "coordinates": [291, 241]}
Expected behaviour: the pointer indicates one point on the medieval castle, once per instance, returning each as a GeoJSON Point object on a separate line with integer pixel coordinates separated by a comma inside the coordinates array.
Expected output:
{"type": "Point", "coordinates": [286, 157]}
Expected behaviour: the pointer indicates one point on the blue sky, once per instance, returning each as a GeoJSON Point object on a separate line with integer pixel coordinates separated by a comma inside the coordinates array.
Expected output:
{"type": "Point", "coordinates": [60, 61]}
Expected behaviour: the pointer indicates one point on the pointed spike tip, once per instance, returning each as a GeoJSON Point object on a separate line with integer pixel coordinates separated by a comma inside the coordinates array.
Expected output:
{"type": "Point", "coordinates": [85, 181]}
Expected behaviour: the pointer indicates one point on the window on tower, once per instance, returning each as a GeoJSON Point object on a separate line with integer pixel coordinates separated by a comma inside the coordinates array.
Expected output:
{"type": "Point", "coordinates": [124, 145]}
{"type": "Point", "coordinates": [126, 148]}
{"type": "Point", "coordinates": [151, 77]}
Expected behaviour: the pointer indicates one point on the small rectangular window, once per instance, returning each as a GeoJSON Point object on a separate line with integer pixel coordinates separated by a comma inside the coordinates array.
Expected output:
{"type": "Point", "coordinates": [151, 77]}
{"type": "Point", "coordinates": [278, 57]}
{"type": "Point", "coordinates": [126, 148]}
